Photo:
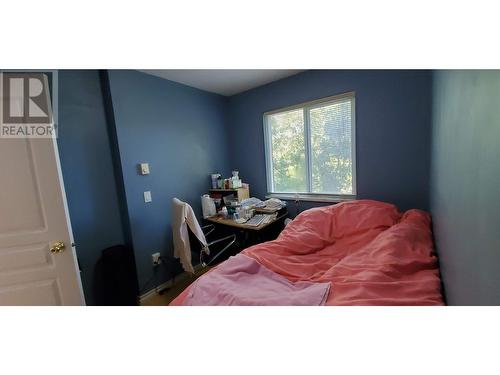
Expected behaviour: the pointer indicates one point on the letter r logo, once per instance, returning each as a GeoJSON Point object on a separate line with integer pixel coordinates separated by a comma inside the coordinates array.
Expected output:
{"type": "Point", "coordinates": [26, 98]}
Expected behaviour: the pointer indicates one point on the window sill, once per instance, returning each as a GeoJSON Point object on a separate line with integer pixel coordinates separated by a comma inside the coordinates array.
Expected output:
{"type": "Point", "coordinates": [305, 197]}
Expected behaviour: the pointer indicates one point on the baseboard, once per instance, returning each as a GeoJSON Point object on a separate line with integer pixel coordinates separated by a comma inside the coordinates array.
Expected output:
{"type": "Point", "coordinates": [167, 284]}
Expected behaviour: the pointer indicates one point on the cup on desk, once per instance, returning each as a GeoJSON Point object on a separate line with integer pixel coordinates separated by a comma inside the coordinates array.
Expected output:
{"type": "Point", "coordinates": [224, 213]}
{"type": "Point", "coordinates": [237, 213]}
{"type": "Point", "coordinates": [247, 213]}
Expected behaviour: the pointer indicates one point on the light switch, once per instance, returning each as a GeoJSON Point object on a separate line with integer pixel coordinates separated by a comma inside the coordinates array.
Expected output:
{"type": "Point", "coordinates": [144, 168]}
{"type": "Point", "coordinates": [147, 196]}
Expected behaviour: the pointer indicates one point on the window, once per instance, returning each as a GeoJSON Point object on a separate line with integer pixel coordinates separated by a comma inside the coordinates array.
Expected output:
{"type": "Point", "coordinates": [310, 150]}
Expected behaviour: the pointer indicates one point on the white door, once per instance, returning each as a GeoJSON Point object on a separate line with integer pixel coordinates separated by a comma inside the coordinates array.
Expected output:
{"type": "Point", "coordinates": [33, 219]}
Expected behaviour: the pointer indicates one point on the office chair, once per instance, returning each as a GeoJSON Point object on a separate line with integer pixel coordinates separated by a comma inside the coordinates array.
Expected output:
{"type": "Point", "coordinates": [183, 221]}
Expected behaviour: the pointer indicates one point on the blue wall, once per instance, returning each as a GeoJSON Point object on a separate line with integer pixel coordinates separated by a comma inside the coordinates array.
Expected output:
{"type": "Point", "coordinates": [88, 172]}
{"type": "Point", "coordinates": [465, 184]}
{"type": "Point", "coordinates": [183, 133]}
{"type": "Point", "coordinates": [393, 112]}
{"type": "Point", "coordinates": [180, 131]}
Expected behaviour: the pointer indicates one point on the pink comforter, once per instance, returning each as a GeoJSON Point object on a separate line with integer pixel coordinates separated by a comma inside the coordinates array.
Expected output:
{"type": "Point", "coordinates": [370, 253]}
{"type": "Point", "coordinates": [243, 281]}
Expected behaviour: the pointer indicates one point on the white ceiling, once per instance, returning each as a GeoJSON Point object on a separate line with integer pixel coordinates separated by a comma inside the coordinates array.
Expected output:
{"type": "Point", "coordinates": [223, 81]}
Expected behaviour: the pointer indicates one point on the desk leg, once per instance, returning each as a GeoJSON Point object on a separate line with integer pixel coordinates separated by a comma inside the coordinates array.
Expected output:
{"type": "Point", "coordinates": [245, 236]}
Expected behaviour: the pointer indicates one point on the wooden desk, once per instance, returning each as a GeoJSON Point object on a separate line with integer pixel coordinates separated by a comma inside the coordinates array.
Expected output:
{"type": "Point", "coordinates": [248, 235]}
{"type": "Point", "coordinates": [219, 220]}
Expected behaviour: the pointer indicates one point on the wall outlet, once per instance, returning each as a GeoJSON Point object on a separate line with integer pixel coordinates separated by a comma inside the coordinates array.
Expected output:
{"type": "Point", "coordinates": [156, 259]}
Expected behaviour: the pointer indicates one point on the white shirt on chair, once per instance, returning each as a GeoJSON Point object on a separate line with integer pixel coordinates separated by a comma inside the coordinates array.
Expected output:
{"type": "Point", "coordinates": [183, 217]}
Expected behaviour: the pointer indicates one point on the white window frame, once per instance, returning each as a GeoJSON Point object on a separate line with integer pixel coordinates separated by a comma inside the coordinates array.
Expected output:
{"type": "Point", "coordinates": [306, 107]}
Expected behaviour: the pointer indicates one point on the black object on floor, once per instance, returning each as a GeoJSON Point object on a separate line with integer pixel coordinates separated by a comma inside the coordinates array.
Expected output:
{"type": "Point", "coordinates": [120, 286]}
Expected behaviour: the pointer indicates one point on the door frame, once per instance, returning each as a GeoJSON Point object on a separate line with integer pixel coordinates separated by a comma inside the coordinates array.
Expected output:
{"type": "Point", "coordinates": [68, 220]}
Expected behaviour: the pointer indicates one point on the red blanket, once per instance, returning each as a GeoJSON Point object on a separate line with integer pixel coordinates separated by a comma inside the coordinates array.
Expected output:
{"type": "Point", "coordinates": [370, 252]}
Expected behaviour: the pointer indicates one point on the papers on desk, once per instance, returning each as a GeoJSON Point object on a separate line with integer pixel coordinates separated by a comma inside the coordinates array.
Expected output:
{"type": "Point", "coordinates": [250, 202]}
{"type": "Point", "coordinates": [268, 206]}
{"type": "Point", "coordinates": [274, 204]}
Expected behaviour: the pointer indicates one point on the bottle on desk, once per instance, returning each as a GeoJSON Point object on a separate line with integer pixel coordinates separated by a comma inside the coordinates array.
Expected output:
{"type": "Point", "coordinates": [215, 178]}
{"type": "Point", "coordinates": [207, 206]}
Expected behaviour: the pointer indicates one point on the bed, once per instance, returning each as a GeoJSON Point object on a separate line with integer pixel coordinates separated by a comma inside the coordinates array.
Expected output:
{"type": "Point", "coordinates": [364, 252]}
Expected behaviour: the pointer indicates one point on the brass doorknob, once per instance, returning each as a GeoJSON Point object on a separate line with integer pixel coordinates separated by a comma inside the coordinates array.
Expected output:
{"type": "Point", "coordinates": [57, 247]}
